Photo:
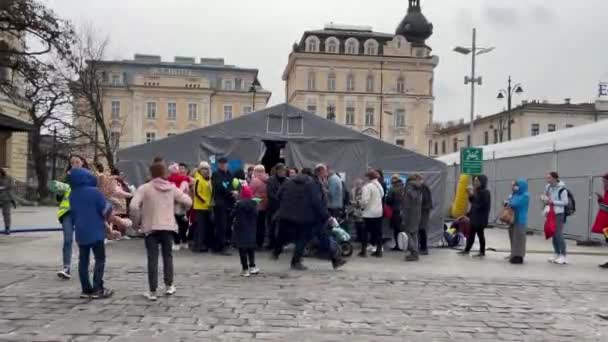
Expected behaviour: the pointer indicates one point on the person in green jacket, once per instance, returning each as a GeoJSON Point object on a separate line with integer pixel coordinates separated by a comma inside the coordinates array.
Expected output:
{"type": "Point", "coordinates": [6, 200]}
{"type": "Point", "coordinates": [63, 214]}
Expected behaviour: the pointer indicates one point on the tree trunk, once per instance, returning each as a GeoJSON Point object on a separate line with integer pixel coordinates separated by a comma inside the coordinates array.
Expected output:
{"type": "Point", "coordinates": [40, 158]}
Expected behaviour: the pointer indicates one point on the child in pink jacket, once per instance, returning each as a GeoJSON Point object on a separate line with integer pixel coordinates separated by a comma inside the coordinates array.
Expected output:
{"type": "Point", "coordinates": [154, 206]}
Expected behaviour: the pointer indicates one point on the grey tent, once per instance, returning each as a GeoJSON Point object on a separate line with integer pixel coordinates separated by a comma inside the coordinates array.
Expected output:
{"type": "Point", "coordinates": [305, 140]}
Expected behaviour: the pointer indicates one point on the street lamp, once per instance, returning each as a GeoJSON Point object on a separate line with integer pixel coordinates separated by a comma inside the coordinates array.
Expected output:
{"type": "Point", "coordinates": [508, 93]}
{"type": "Point", "coordinates": [254, 89]}
{"type": "Point", "coordinates": [474, 50]}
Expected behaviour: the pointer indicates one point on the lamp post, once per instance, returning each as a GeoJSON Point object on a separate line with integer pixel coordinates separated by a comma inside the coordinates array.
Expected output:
{"type": "Point", "coordinates": [508, 93]}
{"type": "Point", "coordinates": [254, 89]}
{"type": "Point", "coordinates": [474, 50]}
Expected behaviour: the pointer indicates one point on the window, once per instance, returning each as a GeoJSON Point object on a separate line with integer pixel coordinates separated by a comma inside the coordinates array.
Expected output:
{"type": "Point", "coordinates": [238, 84]}
{"type": "Point", "coordinates": [400, 142]}
{"type": "Point", "coordinates": [331, 111]}
{"type": "Point", "coordinates": [192, 111]}
{"type": "Point", "coordinates": [350, 82]}
{"type": "Point", "coordinates": [227, 113]}
{"type": "Point", "coordinates": [228, 85]}
{"type": "Point", "coordinates": [115, 109]}
{"type": "Point", "coordinates": [246, 109]}
{"type": "Point", "coordinates": [115, 80]}
{"type": "Point", "coordinates": [443, 147]}
{"type": "Point", "coordinates": [350, 116]}
{"type": "Point", "coordinates": [312, 108]}
{"type": "Point", "coordinates": [496, 136]}
{"type": "Point", "coordinates": [551, 128]}
{"type": "Point", "coordinates": [535, 130]}
{"type": "Point", "coordinates": [171, 135]}
{"type": "Point", "coordinates": [151, 110]}
{"type": "Point", "coordinates": [331, 82]}
{"type": "Point", "coordinates": [455, 145]}
{"type": "Point", "coordinates": [332, 45]}
{"type": "Point", "coordinates": [469, 140]}
{"type": "Point", "coordinates": [370, 84]}
{"type": "Point", "coordinates": [150, 137]}
{"type": "Point", "coordinates": [312, 44]}
{"type": "Point", "coordinates": [486, 138]}
{"type": "Point", "coordinates": [401, 85]}
{"type": "Point", "coordinates": [400, 118]}
{"type": "Point", "coordinates": [369, 117]}
{"type": "Point", "coordinates": [436, 148]}
{"type": "Point", "coordinates": [352, 46]}
{"type": "Point", "coordinates": [371, 47]}
{"type": "Point", "coordinates": [172, 111]}
{"type": "Point", "coordinates": [115, 139]}
{"type": "Point", "coordinates": [312, 81]}
{"type": "Point", "coordinates": [569, 125]}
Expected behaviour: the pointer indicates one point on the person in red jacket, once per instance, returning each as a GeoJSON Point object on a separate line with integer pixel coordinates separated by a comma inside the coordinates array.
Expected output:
{"type": "Point", "coordinates": [601, 221]}
{"type": "Point", "coordinates": [182, 182]}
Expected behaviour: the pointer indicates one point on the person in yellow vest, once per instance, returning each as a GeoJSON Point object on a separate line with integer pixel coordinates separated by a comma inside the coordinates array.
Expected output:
{"type": "Point", "coordinates": [202, 206]}
{"type": "Point", "coordinates": [63, 191]}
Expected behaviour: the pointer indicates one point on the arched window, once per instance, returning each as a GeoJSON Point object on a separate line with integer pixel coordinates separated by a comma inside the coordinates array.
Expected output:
{"type": "Point", "coordinates": [401, 85]}
{"type": "Point", "coordinates": [370, 83]}
{"type": "Point", "coordinates": [352, 46]}
{"type": "Point", "coordinates": [332, 45]}
{"type": "Point", "coordinates": [312, 82]}
{"type": "Point", "coordinates": [312, 44]}
{"type": "Point", "coordinates": [371, 47]}
{"type": "Point", "coordinates": [400, 42]}
{"type": "Point", "coordinates": [331, 82]}
{"type": "Point", "coordinates": [350, 82]}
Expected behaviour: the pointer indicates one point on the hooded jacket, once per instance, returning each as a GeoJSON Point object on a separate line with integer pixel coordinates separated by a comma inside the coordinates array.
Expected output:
{"type": "Point", "coordinates": [222, 183]}
{"type": "Point", "coordinates": [411, 206]}
{"type": "Point", "coordinates": [481, 204]}
{"type": "Point", "coordinates": [259, 187]}
{"type": "Point", "coordinates": [394, 197]}
{"type": "Point", "coordinates": [202, 192]}
{"type": "Point", "coordinates": [301, 201]}
{"type": "Point", "coordinates": [89, 207]}
{"type": "Point", "coordinates": [272, 190]}
{"type": "Point", "coordinates": [335, 192]}
{"type": "Point", "coordinates": [519, 202]}
{"type": "Point", "coordinates": [154, 203]}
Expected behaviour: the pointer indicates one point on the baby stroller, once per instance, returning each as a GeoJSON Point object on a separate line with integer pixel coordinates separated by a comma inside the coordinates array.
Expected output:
{"type": "Point", "coordinates": [338, 237]}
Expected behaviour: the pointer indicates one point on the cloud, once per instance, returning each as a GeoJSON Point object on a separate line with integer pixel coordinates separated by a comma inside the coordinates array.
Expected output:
{"type": "Point", "coordinates": [502, 16]}
{"type": "Point", "coordinates": [544, 14]}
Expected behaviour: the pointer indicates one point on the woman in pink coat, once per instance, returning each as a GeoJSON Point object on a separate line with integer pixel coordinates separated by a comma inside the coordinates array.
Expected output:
{"type": "Point", "coordinates": [154, 206]}
{"type": "Point", "coordinates": [258, 187]}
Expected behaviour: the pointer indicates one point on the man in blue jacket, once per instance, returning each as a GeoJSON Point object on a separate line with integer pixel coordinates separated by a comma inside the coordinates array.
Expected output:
{"type": "Point", "coordinates": [89, 210]}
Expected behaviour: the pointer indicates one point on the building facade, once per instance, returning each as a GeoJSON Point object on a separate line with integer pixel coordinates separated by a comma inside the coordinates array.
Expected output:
{"type": "Point", "coordinates": [146, 99]}
{"type": "Point", "coordinates": [528, 119]}
{"type": "Point", "coordinates": [377, 83]}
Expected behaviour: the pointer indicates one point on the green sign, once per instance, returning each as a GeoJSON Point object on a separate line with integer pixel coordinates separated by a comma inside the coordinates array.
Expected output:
{"type": "Point", "coordinates": [471, 161]}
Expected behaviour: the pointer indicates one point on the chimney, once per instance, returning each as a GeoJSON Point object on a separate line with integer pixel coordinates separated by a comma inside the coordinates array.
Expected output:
{"type": "Point", "coordinates": [184, 60]}
{"type": "Point", "coordinates": [147, 58]}
{"type": "Point", "coordinates": [567, 100]}
{"type": "Point", "coordinates": [478, 117]}
{"type": "Point", "coordinates": [461, 121]}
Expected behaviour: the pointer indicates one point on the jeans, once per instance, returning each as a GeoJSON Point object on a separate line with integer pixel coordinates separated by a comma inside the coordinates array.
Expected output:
{"type": "Point", "coordinates": [164, 239]}
{"type": "Point", "coordinates": [559, 243]}
{"type": "Point", "coordinates": [247, 256]}
{"type": "Point", "coordinates": [68, 237]}
{"type": "Point", "coordinates": [396, 225]}
{"type": "Point", "coordinates": [99, 252]}
{"type": "Point", "coordinates": [302, 235]}
{"type": "Point", "coordinates": [261, 228]}
{"type": "Point", "coordinates": [373, 228]}
{"type": "Point", "coordinates": [203, 232]}
{"type": "Point", "coordinates": [479, 231]}
{"type": "Point", "coordinates": [422, 232]}
{"type": "Point", "coordinates": [220, 222]}
{"type": "Point", "coordinates": [273, 229]}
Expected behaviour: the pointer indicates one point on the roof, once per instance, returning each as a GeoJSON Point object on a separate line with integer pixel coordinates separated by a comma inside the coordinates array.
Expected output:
{"type": "Point", "coordinates": [578, 108]}
{"type": "Point", "coordinates": [349, 33]}
{"type": "Point", "coordinates": [178, 65]}
{"type": "Point", "coordinates": [568, 139]}
{"type": "Point", "coordinates": [13, 124]}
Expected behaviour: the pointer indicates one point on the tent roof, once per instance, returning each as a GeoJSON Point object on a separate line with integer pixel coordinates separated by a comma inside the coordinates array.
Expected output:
{"type": "Point", "coordinates": [280, 123]}
{"type": "Point", "coordinates": [572, 138]}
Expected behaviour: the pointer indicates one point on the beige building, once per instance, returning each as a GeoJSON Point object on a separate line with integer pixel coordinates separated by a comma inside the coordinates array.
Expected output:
{"type": "Point", "coordinates": [146, 99]}
{"type": "Point", "coordinates": [377, 83]}
{"type": "Point", "coordinates": [528, 119]}
{"type": "Point", "coordinates": [13, 120]}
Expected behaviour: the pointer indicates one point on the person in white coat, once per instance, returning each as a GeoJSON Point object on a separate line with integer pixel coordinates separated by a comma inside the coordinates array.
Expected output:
{"type": "Point", "coordinates": [371, 204]}
{"type": "Point", "coordinates": [556, 194]}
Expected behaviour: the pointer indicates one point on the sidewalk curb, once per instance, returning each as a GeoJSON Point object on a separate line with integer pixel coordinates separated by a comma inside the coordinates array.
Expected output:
{"type": "Point", "coordinates": [551, 252]}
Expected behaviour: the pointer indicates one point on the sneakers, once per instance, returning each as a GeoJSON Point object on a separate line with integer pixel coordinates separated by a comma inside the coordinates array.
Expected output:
{"type": "Point", "coordinates": [176, 247]}
{"type": "Point", "coordinates": [516, 260]}
{"type": "Point", "coordinates": [479, 255]}
{"type": "Point", "coordinates": [7, 231]}
{"type": "Point", "coordinates": [362, 254]}
{"type": "Point", "coordinates": [463, 253]}
{"type": "Point", "coordinates": [64, 274]}
{"type": "Point", "coordinates": [85, 295]}
{"type": "Point", "coordinates": [254, 271]}
{"type": "Point", "coordinates": [151, 296]}
{"type": "Point", "coordinates": [337, 263]}
{"type": "Point", "coordinates": [170, 291]}
{"type": "Point", "coordinates": [298, 267]}
{"type": "Point", "coordinates": [424, 252]}
{"type": "Point", "coordinates": [561, 260]}
{"type": "Point", "coordinates": [604, 266]}
{"type": "Point", "coordinates": [412, 258]}
{"type": "Point", "coordinates": [102, 294]}
{"type": "Point", "coordinates": [553, 258]}
{"type": "Point", "coordinates": [246, 273]}
{"type": "Point", "coordinates": [377, 254]}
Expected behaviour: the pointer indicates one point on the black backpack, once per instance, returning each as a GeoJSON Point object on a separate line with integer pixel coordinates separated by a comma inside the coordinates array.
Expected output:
{"type": "Point", "coordinates": [570, 209]}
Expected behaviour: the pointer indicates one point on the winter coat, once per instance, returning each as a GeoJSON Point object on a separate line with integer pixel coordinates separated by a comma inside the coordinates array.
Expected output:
{"type": "Point", "coordinates": [183, 183]}
{"type": "Point", "coordinates": [154, 205]}
{"type": "Point", "coordinates": [558, 195]}
{"type": "Point", "coordinates": [202, 192]}
{"type": "Point", "coordinates": [272, 189]}
{"type": "Point", "coordinates": [6, 187]}
{"type": "Point", "coordinates": [393, 199]}
{"type": "Point", "coordinates": [601, 220]}
{"type": "Point", "coordinates": [88, 207]}
{"type": "Point", "coordinates": [356, 194]}
{"type": "Point", "coordinates": [411, 207]}
{"type": "Point", "coordinates": [259, 187]}
{"type": "Point", "coordinates": [371, 199]}
{"type": "Point", "coordinates": [245, 223]}
{"type": "Point", "coordinates": [520, 202]}
{"type": "Point", "coordinates": [481, 204]}
{"type": "Point", "coordinates": [222, 188]}
{"type": "Point", "coordinates": [427, 198]}
{"type": "Point", "coordinates": [335, 192]}
{"type": "Point", "coordinates": [302, 201]}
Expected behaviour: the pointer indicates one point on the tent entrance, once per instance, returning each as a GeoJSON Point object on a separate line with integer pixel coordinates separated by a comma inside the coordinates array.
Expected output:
{"type": "Point", "coordinates": [274, 154]}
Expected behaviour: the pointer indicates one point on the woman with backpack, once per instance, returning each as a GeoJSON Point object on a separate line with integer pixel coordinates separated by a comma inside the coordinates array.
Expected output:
{"type": "Point", "coordinates": [556, 196]}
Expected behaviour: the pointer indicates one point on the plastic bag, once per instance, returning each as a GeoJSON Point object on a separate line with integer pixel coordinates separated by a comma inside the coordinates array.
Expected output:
{"type": "Point", "coordinates": [550, 223]}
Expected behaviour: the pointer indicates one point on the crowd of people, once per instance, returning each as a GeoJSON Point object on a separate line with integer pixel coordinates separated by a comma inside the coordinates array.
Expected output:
{"type": "Point", "coordinates": [206, 211]}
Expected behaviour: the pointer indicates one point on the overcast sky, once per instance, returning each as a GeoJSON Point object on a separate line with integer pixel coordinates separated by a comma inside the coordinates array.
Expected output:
{"type": "Point", "coordinates": [557, 49]}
